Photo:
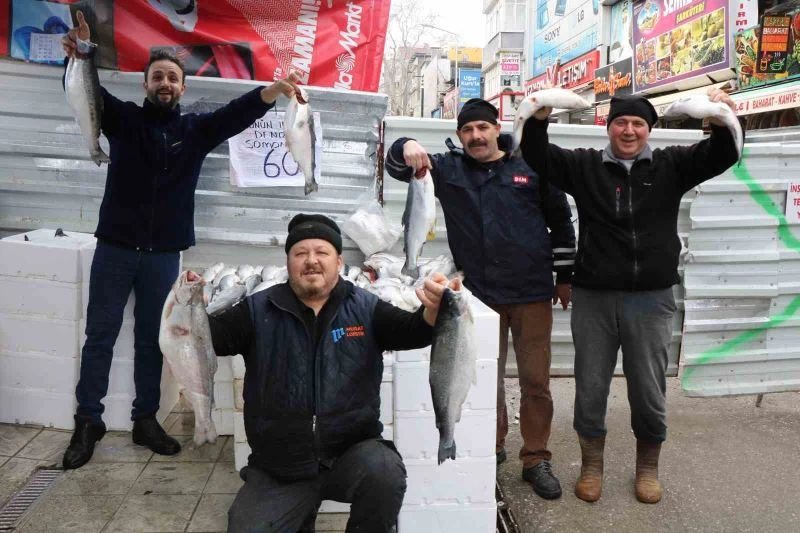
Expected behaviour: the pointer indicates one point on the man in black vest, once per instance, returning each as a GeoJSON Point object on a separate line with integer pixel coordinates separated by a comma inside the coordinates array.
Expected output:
{"type": "Point", "coordinates": [313, 352]}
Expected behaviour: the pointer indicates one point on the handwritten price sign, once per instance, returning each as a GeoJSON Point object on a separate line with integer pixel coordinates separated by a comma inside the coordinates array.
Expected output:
{"type": "Point", "coordinates": [259, 156]}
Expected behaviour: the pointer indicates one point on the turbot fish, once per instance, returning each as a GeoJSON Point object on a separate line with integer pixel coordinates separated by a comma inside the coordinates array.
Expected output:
{"type": "Point", "coordinates": [699, 106]}
{"type": "Point", "coordinates": [419, 221]}
{"type": "Point", "coordinates": [82, 88]}
{"type": "Point", "coordinates": [554, 97]}
{"type": "Point", "coordinates": [452, 369]}
{"type": "Point", "coordinates": [185, 341]}
{"type": "Point", "coordinates": [301, 138]}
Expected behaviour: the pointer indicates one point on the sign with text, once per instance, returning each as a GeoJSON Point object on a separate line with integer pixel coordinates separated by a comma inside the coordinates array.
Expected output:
{"type": "Point", "coordinates": [678, 39]}
{"type": "Point", "coordinates": [259, 156]}
{"type": "Point", "coordinates": [563, 30]}
{"type": "Point", "coordinates": [573, 74]}
{"type": "Point", "coordinates": [509, 64]}
{"type": "Point", "coordinates": [773, 46]}
{"type": "Point", "coordinates": [758, 102]}
{"type": "Point", "coordinates": [793, 203]}
{"type": "Point", "coordinates": [469, 85]}
{"type": "Point", "coordinates": [615, 79]}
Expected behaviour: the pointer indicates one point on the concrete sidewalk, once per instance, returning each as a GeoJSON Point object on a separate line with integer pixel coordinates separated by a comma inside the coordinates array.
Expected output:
{"type": "Point", "coordinates": [727, 466]}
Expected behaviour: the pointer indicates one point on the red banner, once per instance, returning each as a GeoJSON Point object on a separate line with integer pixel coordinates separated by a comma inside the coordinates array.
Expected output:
{"type": "Point", "coordinates": [330, 43]}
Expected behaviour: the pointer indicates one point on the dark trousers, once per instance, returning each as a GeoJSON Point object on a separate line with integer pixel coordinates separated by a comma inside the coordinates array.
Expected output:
{"type": "Point", "coordinates": [370, 476]}
{"type": "Point", "coordinates": [641, 323]}
{"type": "Point", "coordinates": [115, 271]}
{"type": "Point", "coordinates": [531, 326]}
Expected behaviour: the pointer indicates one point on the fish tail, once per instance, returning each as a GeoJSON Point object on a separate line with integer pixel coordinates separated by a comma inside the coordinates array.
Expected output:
{"type": "Point", "coordinates": [409, 270]}
{"type": "Point", "coordinates": [446, 452]}
{"type": "Point", "coordinates": [205, 431]}
{"type": "Point", "coordinates": [100, 157]}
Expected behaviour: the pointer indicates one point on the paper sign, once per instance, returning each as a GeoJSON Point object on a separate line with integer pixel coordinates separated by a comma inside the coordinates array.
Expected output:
{"type": "Point", "coordinates": [259, 156]}
{"type": "Point", "coordinates": [46, 47]}
{"type": "Point", "coordinates": [793, 203]}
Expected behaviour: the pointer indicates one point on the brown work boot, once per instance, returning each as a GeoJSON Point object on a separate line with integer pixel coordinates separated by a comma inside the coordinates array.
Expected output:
{"type": "Point", "coordinates": [648, 488]}
{"type": "Point", "coordinates": [590, 484]}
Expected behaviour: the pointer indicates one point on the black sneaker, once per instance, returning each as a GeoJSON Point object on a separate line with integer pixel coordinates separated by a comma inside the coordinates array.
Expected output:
{"type": "Point", "coordinates": [545, 484]}
{"type": "Point", "coordinates": [501, 457]}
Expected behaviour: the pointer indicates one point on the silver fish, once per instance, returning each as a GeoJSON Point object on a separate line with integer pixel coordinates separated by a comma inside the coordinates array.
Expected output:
{"type": "Point", "coordinates": [244, 271]}
{"type": "Point", "coordinates": [228, 281]}
{"type": "Point", "coordinates": [554, 97]}
{"type": "Point", "coordinates": [452, 369]}
{"type": "Point", "coordinates": [226, 271]}
{"type": "Point", "coordinates": [227, 298]}
{"type": "Point", "coordinates": [419, 221]}
{"type": "Point", "coordinates": [301, 138]}
{"type": "Point", "coordinates": [699, 106]}
{"type": "Point", "coordinates": [252, 282]}
{"type": "Point", "coordinates": [185, 340]}
{"type": "Point", "coordinates": [82, 88]}
{"type": "Point", "coordinates": [211, 272]}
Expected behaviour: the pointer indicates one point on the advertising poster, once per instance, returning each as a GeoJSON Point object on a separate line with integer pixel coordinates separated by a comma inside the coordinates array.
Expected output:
{"type": "Point", "coordinates": [674, 41]}
{"type": "Point", "coordinates": [621, 31]}
{"type": "Point", "coordinates": [563, 30]}
{"type": "Point", "coordinates": [331, 43]}
{"type": "Point", "coordinates": [749, 55]}
{"type": "Point", "coordinates": [615, 79]}
{"type": "Point", "coordinates": [773, 46]}
{"type": "Point", "coordinates": [469, 85]}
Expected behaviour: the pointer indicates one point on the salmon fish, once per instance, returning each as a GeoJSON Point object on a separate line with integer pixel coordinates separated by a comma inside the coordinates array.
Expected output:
{"type": "Point", "coordinates": [419, 221]}
{"type": "Point", "coordinates": [301, 138]}
{"type": "Point", "coordinates": [554, 97]}
{"type": "Point", "coordinates": [82, 88]}
{"type": "Point", "coordinates": [699, 106]}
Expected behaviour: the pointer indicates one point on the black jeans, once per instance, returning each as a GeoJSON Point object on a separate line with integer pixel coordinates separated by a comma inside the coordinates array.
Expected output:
{"type": "Point", "coordinates": [370, 476]}
{"type": "Point", "coordinates": [115, 271]}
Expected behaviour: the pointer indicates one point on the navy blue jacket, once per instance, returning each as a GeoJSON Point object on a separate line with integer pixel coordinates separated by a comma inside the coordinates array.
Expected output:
{"type": "Point", "coordinates": [497, 219]}
{"type": "Point", "coordinates": [312, 382]}
{"type": "Point", "coordinates": [155, 164]}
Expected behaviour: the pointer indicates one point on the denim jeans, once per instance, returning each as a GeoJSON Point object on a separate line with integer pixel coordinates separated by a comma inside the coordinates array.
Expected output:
{"type": "Point", "coordinates": [115, 271]}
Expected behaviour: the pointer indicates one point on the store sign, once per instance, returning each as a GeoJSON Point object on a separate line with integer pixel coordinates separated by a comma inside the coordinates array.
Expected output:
{"type": "Point", "coordinates": [562, 31]}
{"type": "Point", "coordinates": [760, 103]}
{"type": "Point", "coordinates": [570, 75]}
{"type": "Point", "coordinates": [755, 66]}
{"type": "Point", "coordinates": [509, 64]}
{"type": "Point", "coordinates": [613, 80]}
{"type": "Point", "coordinates": [774, 45]}
{"type": "Point", "coordinates": [469, 85]}
{"type": "Point", "coordinates": [793, 203]}
{"type": "Point", "coordinates": [678, 39]}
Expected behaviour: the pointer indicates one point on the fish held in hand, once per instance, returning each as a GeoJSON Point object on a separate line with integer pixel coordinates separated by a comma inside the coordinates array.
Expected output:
{"type": "Point", "coordinates": [554, 97]}
{"type": "Point", "coordinates": [185, 340]}
{"type": "Point", "coordinates": [453, 360]}
{"type": "Point", "coordinates": [419, 221]}
{"type": "Point", "coordinates": [699, 106]}
{"type": "Point", "coordinates": [85, 98]}
{"type": "Point", "coordinates": [301, 138]}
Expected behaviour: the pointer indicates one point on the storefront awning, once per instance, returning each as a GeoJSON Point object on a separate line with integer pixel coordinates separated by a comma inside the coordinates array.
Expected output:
{"type": "Point", "coordinates": [768, 98]}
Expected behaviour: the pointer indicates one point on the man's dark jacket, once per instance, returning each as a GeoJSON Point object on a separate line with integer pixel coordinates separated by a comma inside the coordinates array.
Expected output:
{"type": "Point", "coordinates": [627, 233]}
{"type": "Point", "coordinates": [312, 382]}
{"type": "Point", "coordinates": [497, 218]}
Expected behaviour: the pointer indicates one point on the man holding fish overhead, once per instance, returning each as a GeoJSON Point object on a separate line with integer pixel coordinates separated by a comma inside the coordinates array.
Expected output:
{"type": "Point", "coordinates": [312, 349]}
{"type": "Point", "coordinates": [508, 231]}
{"type": "Point", "coordinates": [146, 218]}
{"type": "Point", "coordinates": [627, 197]}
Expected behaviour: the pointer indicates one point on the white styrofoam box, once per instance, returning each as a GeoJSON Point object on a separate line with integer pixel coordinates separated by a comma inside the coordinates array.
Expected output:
{"type": "Point", "coordinates": [123, 348]}
{"type": "Point", "coordinates": [330, 506]}
{"type": "Point", "coordinates": [237, 364]}
{"type": "Point", "coordinates": [224, 370]}
{"type": "Point", "coordinates": [223, 420]}
{"type": "Point", "coordinates": [412, 391]}
{"type": "Point", "coordinates": [241, 452]}
{"type": "Point", "coordinates": [37, 407]}
{"type": "Point", "coordinates": [223, 395]}
{"type": "Point", "coordinates": [36, 334]}
{"type": "Point", "coordinates": [31, 296]}
{"type": "Point", "coordinates": [387, 402]}
{"type": "Point", "coordinates": [117, 414]}
{"type": "Point", "coordinates": [417, 437]}
{"type": "Point", "coordinates": [127, 312]}
{"type": "Point", "coordinates": [239, 434]}
{"type": "Point", "coordinates": [418, 354]}
{"type": "Point", "coordinates": [120, 377]}
{"type": "Point", "coordinates": [238, 394]}
{"type": "Point", "coordinates": [388, 367]}
{"type": "Point", "coordinates": [448, 518]}
{"type": "Point", "coordinates": [45, 372]}
{"type": "Point", "coordinates": [43, 256]}
{"type": "Point", "coordinates": [388, 432]}
{"type": "Point", "coordinates": [465, 480]}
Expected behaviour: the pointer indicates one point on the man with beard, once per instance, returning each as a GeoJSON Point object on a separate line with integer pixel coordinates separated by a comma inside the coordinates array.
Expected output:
{"type": "Point", "coordinates": [312, 350]}
{"type": "Point", "coordinates": [498, 213]}
{"type": "Point", "coordinates": [146, 219]}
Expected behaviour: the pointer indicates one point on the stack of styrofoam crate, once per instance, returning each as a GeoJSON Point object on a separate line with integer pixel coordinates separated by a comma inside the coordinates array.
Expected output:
{"type": "Point", "coordinates": [121, 390]}
{"type": "Point", "coordinates": [40, 309]}
{"type": "Point", "coordinates": [224, 411]}
{"type": "Point", "coordinates": [458, 495]}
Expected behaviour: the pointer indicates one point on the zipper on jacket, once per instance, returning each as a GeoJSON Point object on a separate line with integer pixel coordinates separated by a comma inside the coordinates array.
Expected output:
{"type": "Point", "coordinates": [315, 389]}
{"type": "Point", "coordinates": [633, 233]}
{"type": "Point", "coordinates": [155, 191]}
{"type": "Point", "coordinates": [619, 191]}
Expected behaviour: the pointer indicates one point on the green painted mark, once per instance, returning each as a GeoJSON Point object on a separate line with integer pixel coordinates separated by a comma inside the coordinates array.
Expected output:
{"type": "Point", "coordinates": [785, 234]}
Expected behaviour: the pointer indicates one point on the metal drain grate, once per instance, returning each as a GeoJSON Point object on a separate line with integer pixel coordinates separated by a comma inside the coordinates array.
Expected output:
{"type": "Point", "coordinates": [17, 506]}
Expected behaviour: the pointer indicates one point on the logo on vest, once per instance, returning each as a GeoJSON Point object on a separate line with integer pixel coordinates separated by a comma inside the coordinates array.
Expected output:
{"type": "Point", "coordinates": [523, 180]}
{"type": "Point", "coordinates": [337, 334]}
{"type": "Point", "coordinates": [347, 331]}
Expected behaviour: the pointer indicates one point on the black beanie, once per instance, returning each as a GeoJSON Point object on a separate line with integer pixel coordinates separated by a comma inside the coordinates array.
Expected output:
{"type": "Point", "coordinates": [313, 227]}
{"type": "Point", "coordinates": [477, 109]}
{"type": "Point", "coordinates": [637, 106]}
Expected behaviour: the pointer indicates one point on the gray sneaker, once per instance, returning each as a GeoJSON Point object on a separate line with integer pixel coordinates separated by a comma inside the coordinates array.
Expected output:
{"type": "Point", "coordinates": [544, 482]}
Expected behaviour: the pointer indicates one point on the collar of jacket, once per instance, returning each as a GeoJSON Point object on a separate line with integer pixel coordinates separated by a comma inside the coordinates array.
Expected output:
{"type": "Point", "coordinates": [157, 114]}
{"type": "Point", "coordinates": [284, 297]}
{"type": "Point", "coordinates": [644, 155]}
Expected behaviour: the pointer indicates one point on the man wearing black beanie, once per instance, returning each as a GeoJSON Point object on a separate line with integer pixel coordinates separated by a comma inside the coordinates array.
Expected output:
{"type": "Point", "coordinates": [313, 352]}
{"type": "Point", "coordinates": [508, 231]}
{"type": "Point", "coordinates": [627, 197]}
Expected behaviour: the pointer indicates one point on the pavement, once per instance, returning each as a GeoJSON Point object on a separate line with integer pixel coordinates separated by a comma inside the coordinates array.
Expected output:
{"type": "Point", "coordinates": [727, 466]}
